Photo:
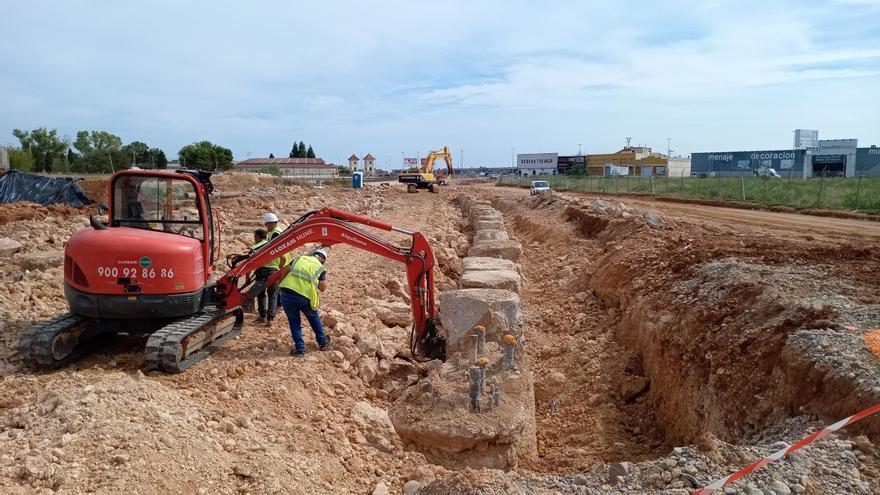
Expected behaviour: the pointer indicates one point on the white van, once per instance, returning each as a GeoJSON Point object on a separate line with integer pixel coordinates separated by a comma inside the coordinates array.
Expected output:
{"type": "Point", "coordinates": [538, 186]}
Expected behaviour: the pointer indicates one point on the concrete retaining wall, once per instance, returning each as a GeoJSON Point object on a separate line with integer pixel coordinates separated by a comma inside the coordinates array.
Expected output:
{"type": "Point", "coordinates": [437, 417]}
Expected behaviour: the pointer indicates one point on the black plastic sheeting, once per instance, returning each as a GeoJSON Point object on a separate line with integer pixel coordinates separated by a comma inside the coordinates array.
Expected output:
{"type": "Point", "coordinates": [18, 186]}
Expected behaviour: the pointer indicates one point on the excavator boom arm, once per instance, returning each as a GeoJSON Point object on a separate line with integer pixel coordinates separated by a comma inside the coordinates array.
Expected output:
{"type": "Point", "coordinates": [330, 226]}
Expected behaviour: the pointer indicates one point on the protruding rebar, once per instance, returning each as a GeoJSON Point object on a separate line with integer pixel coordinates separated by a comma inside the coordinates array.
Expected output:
{"type": "Point", "coordinates": [496, 394]}
{"type": "Point", "coordinates": [475, 373]}
{"type": "Point", "coordinates": [508, 343]}
{"type": "Point", "coordinates": [479, 341]}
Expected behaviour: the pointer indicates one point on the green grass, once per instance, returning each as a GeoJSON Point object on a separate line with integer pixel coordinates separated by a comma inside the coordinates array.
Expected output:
{"type": "Point", "coordinates": [827, 193]}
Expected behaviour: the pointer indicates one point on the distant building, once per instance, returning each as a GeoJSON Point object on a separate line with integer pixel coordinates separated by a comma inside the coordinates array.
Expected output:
{"type": "Point", "coordinates": [369, 164]}
{"type": "Point", "coordinates": [868, 161]}
{"type": "Point", "coordinates": [353, 162]}
{"type": "Point", "coordinates": [533, 164]}
{"type": "Point", "coordinates": [678, 166]}
{"type": "Point", "coordinates": [565, 163]}
{"type": "Point", "coordinates": [806, 139]}
{"type": "Point", "coordinates": [835, 157]}
{"type": "Point", "coordinates": [736, 163]}
{"type": "Point", "coordinates": [634, 161]}
{"type": "Point", "coordinates": [296, 168]}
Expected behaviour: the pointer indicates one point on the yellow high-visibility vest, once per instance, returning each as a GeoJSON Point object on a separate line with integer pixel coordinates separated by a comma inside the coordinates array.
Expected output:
{"type": "Point", "coordinates": [272, 264]}
{"type": "Point", "coordinates": [303, 278]}
{"type": "Point", "coordinates": [285, 259]}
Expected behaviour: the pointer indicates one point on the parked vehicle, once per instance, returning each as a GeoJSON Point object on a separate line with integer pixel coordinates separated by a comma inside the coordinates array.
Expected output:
{"type": "Point", "coordinates": [538, 186]}
{"type": "Point", "coordinates": [767, 172]}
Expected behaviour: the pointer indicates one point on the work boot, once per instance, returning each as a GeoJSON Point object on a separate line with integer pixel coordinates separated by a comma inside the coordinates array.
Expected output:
{"type": "Point", "coordinates": [325, 345]}
{"type": "Point", "coordinates": [297, 354]}
{"type": "Point", "coordinates": [261, 320]}
{"type": "Point", "coordinates": [268, 322]}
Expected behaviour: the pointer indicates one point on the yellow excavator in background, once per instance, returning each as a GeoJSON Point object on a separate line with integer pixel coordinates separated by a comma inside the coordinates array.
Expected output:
{"type": "Point", "coordinates": [424, 177]}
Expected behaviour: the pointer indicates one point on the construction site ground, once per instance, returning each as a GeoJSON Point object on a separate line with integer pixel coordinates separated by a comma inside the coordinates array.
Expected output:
{"type": "Point", "coordinates": [671, 344]}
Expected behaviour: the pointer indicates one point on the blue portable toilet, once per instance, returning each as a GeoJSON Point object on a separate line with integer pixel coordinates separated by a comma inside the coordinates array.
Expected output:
{"type": "Point", "coordinates": [357, 180]}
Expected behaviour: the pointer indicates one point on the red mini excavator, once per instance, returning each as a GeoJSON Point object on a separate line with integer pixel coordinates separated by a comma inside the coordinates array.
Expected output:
{"type": "Point", "coordinates": [149, 269]}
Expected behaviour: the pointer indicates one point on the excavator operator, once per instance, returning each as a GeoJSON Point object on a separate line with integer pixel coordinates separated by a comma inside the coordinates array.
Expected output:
{"type": "Point", "coordinates": [299, 294]}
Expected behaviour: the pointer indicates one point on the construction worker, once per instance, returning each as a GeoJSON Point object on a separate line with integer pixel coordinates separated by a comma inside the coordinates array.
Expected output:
{"type": "Point", "coordinates": [270, 220]}
{"type": "Point", "coordinates": [299, 294]}
{"type": "Point", "coordinates": [267, 299]}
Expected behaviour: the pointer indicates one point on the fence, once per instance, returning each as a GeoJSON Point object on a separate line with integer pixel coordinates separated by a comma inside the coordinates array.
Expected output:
{"type": "Point", "coordinates": [856, 193]}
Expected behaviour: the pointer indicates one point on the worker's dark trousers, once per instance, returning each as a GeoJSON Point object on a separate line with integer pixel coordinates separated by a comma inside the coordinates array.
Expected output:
{"type": "Point", "coordinates": [295, 303]}
{"type": "Point", "coordinates": [268, 296]}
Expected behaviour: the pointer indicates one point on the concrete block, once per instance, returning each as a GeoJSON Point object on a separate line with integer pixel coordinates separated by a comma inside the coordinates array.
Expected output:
{"type": "Point", "coordinates": [491, 279]}
{"type": "Point", "coordinates": [509, 250]}
{"type": "Point", "coordinates": [42, 260]}
{"type": "Point", "coordinates": [477, 263]}
{"type": "Point", "coordinates": [8, 247]}
{"type": "Point", "coordinates": [496, 309]}
{"type": "Point", "coordinates": [488, 225]}
{"type": "Point", "coordinates": [491, 235]}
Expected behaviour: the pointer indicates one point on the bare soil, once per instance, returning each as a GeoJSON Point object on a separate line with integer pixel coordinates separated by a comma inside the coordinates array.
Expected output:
{"type": "Point", "coordinates": [690, 347]}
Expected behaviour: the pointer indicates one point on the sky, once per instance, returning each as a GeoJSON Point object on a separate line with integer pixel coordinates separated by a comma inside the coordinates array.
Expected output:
{"type": "Point", "coordinates": [482, 77]}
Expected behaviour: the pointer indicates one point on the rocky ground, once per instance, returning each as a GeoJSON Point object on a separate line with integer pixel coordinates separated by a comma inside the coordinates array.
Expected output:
{"type": "Point", "coordinates": [667, 352]}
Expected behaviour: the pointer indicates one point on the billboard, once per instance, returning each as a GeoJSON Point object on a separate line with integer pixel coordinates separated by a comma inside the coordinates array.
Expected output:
{"type": "Point", "coordinates": [537, 160]}
{"type": "Point", "coordinates": [806, 139]}
{"type": "Point", "coordinates": [411, 162]}
{"type": "Point", "coordinates": [611, 169]}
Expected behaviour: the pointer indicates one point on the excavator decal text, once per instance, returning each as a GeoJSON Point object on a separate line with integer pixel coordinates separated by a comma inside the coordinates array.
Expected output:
{"type": "Point", "coordinates": [291, 242]}
{"type": "Point", "coordinates": [353, 239]}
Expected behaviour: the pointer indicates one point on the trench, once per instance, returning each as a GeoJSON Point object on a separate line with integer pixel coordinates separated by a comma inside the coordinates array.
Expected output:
{"type": "Point", "coordinates": [637, 349]}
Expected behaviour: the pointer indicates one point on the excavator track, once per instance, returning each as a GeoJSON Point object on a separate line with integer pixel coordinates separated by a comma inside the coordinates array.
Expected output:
{"type": "Point", "coordinates": [56, 342]}
{"type": "Point", "coordinates": [178, 346]}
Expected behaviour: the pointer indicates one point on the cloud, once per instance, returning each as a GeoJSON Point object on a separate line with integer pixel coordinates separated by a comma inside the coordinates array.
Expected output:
{"type": "Point", "coordinates": [480, 76]}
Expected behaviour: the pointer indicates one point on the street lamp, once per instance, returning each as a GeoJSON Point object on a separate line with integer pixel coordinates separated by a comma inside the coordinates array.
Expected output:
{"type": "Point", "coordinates": [579, 149]}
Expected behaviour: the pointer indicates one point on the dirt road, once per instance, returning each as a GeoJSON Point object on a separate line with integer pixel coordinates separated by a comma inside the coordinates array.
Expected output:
{"type": "Point", "coordinates": [756, 221]}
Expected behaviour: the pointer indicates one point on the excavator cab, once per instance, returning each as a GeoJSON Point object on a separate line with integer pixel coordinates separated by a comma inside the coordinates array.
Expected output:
{"type": "Point", "coordinates": [154, 256]}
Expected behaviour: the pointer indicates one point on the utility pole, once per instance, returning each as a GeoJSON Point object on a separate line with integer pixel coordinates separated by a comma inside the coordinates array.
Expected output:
{"type": "Point", "coordinates": [461, 159]}
{"type": "Point", "coordinates": [668, 150]}
{"type": "Point", "coordinates": [579, 149]}
{"type": "Point", "coordinates": [512, 152]}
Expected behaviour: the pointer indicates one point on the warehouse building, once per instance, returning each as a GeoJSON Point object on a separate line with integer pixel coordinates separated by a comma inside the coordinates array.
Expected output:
{"type": "Point", "coordinates": [736, 163]}
{"type": "Point", "coordinates": [868, 161]}
{"type": "Point", "coordinates": [831, 158]}
{"type": "Point", "coordinates": [295, 168]}
{"type": "Point", "coordinates": [633, 161]}
{"type": "Point", "coordinates": [566, 163]}
{"type": "Point", "coordinates": [534, 164]}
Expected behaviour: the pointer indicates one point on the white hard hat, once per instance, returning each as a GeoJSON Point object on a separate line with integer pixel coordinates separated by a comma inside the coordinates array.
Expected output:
{"type": "Point", "coordinates": [320, 251]}
{"type": "Point", "coordinates": [270, 217]}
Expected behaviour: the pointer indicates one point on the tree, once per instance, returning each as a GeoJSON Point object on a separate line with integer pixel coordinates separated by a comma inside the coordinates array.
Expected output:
{"type": "Point", "coordinates": [310, 153]}
{"type": "Point", "coordinates": [343, 170]}
{"type": "Point", "coordinates": [293, 150]}
{"type": "Point", "coordinates": [138, 152]}
{"type": "Point", "coordinates": [301, 150]}
{"type": "Point", "coordinates": [100, 151]}
{"type": "Point", "coordinates": [577, 169]}
{"type": "Point", "coordinates": [271, 155]}
{"type": "Point", "coordinates": [157, 158]}
{"type": "Point", "coordinates": [206, 155]}
{"type": "Point", "coordinates": [43, 145]}
{"type": "Point", "coordinates": [20, 159]}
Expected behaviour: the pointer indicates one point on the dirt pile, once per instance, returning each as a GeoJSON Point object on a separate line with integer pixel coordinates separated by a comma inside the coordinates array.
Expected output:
{"type": "Point", "coordinates": [248, 419]}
